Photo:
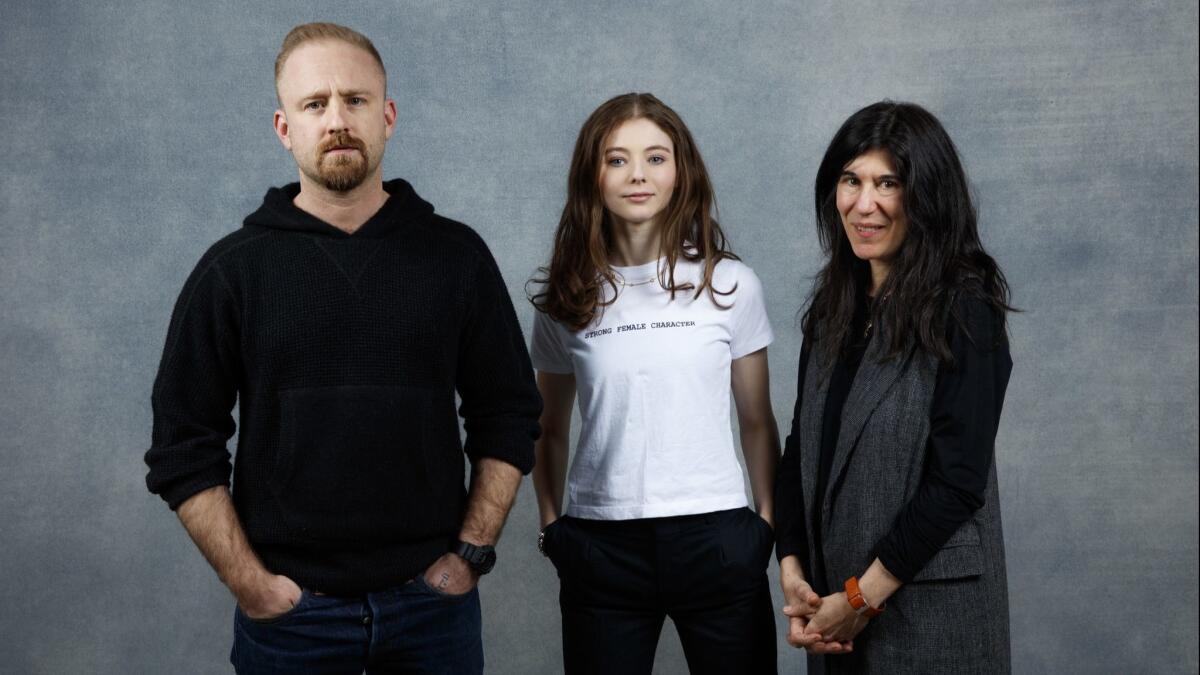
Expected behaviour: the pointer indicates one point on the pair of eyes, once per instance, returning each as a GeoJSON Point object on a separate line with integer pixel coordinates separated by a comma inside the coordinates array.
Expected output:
{"type": "Point", "coordinates": [887, 186]}
{"type": "Point", "coordinates": [621, 161]}
{"type": "Point", "coordinates": [318, 104]}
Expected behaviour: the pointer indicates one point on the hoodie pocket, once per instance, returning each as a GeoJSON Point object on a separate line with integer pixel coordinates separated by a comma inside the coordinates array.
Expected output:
{"type": "Point", "coordinates": [355, 460]}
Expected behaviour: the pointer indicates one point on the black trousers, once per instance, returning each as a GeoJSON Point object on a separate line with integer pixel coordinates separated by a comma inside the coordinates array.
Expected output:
{"type": "Point", "coordinates": [620, 579]}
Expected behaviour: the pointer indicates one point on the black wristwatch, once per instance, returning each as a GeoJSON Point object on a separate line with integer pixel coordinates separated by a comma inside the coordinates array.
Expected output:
{"type": "Point", "coordinates": [480, 558]}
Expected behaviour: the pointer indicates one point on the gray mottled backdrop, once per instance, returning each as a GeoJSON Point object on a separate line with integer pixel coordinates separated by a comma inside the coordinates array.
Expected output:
{"type": "Point", "coordinates": [136, 133]}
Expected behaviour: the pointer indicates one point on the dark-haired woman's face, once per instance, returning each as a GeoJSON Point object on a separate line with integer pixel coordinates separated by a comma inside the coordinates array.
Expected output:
{"type": "Point", "coordinates": [870, 199]}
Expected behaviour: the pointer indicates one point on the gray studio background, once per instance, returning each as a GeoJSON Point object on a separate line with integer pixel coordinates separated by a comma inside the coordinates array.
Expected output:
{"type": "Point", "coordinates": [137, 133]}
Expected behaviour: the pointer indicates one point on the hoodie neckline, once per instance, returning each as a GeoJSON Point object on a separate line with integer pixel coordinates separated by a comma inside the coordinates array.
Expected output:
{"type": "Point", "coordinates": [279, 212]}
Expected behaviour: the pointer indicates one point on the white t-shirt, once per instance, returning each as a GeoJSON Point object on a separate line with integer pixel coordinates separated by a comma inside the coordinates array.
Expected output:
{"type": "Point", "coordinates": [653, 378]}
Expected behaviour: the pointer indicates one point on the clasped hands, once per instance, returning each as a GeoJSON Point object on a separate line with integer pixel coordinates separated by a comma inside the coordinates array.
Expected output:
{"type": "Point", "coordinates": [825, 625]}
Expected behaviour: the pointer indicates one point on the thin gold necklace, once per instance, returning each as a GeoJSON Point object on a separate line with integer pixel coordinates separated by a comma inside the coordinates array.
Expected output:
{"type": "Point", "coordinates": [628, 284]}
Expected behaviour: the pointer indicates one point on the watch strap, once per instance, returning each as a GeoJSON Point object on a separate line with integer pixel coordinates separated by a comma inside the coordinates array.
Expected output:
{"type": "Point", "coordinates": [481, 559]}
{"type": "Point", "coordinates": [858, 602]}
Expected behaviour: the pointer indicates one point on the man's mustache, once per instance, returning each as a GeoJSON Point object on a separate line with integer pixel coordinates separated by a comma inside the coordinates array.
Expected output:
{"type": "Point", "coordinates": [342, 139]}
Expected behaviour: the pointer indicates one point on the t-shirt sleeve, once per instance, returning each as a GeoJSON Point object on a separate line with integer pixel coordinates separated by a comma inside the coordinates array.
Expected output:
{"type": "Point", "coordinates": [750, 328]}
{"type": "Point", "coordinates": [546, 349]}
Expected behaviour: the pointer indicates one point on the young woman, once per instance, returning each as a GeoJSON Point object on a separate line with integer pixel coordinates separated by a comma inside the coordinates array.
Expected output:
{"type": "Point", "coordinates": [646, 314]}
{"type": "Point", "coordinates": [890, 546]}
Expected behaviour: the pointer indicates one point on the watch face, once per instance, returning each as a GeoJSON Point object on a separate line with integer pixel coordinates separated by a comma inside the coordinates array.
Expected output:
{"type": "Point", "coordinates": [488, 562]}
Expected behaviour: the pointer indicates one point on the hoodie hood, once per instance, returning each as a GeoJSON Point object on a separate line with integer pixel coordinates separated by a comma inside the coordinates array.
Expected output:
{"type": "Point", "coordinates": [278, 212]}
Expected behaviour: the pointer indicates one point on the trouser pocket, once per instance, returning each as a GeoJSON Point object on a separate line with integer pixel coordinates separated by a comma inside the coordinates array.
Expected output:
{"type": "Point", "coordinates": [321, 634]}
{"type": "Point", "coordinates": [425, 586]}
{"type": "Point", "coordinates": [296, 609]}
{"type": "Point", "coordinates": [746, 544]}
{"type": "Point", "coordinates": [553, 544]}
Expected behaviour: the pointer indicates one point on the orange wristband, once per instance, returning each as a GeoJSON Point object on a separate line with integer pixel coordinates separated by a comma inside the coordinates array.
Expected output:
{"type": "Point", "coordinates": [858, 602]}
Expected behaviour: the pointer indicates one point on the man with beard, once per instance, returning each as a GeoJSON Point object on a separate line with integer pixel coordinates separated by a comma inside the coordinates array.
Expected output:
{"type": "Point", "coordinates": [343, 318]}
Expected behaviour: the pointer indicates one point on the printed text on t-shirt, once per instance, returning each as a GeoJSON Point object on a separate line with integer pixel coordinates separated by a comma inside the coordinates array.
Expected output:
{"type": "Point", "coordinates": [637, 326]}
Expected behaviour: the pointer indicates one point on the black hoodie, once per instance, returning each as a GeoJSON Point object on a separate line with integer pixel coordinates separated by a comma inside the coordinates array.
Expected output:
{"type": "Point", "coordinates": [344, 352]}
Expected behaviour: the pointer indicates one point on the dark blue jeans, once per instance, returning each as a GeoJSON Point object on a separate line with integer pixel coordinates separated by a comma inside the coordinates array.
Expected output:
{"type": "Point", "coordinates": [410, 629]}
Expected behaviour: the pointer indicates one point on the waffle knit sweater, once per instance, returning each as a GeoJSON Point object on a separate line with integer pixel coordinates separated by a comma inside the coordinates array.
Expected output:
{"type": "Point", "coordinates": [344, 354]}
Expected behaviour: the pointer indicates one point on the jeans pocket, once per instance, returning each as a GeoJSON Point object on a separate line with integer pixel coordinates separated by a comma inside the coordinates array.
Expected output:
{"type": "Point", "coordinates": [279, 618]}
{"type": "Point", "coordinates": [450, 597]}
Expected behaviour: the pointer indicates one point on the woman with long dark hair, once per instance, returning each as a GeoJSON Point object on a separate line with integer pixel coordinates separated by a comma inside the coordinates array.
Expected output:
{"type": "Point", "coordinates": [646, 314]}
{"type": "Point", "coordinates": [889, 538]}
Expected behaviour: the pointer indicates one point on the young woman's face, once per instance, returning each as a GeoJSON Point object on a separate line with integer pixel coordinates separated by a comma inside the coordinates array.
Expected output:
{"type": "Point", "coordinates": [637, 177]}
{"type": "Point", "coordinates": [870, 199]}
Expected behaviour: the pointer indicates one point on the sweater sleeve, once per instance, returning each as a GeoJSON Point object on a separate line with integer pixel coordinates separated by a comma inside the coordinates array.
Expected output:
{"type": "Point", "coordinates": [500, 402]}
{"type": "Point", "coordinates": [790, 536]}
{"type": "Point", "coordinates": [195, 391]}
{"type": "Point", "coordinates": [967, 401]}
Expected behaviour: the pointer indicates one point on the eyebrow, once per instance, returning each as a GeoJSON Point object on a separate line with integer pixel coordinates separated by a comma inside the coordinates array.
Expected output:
{"type": "Point", "coordinates": [663, 148]}
{"type": "Point", "coordinates": [324, 93]}
{"type": "Point", "coordinates": [886, 176]}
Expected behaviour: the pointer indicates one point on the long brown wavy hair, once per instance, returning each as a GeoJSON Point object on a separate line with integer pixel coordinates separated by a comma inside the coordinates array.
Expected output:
{"type": "Point", "coordinates": [571, 285]}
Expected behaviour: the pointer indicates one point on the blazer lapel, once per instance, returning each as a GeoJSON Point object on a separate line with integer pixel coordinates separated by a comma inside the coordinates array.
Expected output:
{"type": "Point", "coordinates": [874, 379]}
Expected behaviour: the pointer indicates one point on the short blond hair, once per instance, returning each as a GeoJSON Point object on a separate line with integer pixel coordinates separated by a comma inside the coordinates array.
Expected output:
{"type": "Point", "coordinates": [312, 32]}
